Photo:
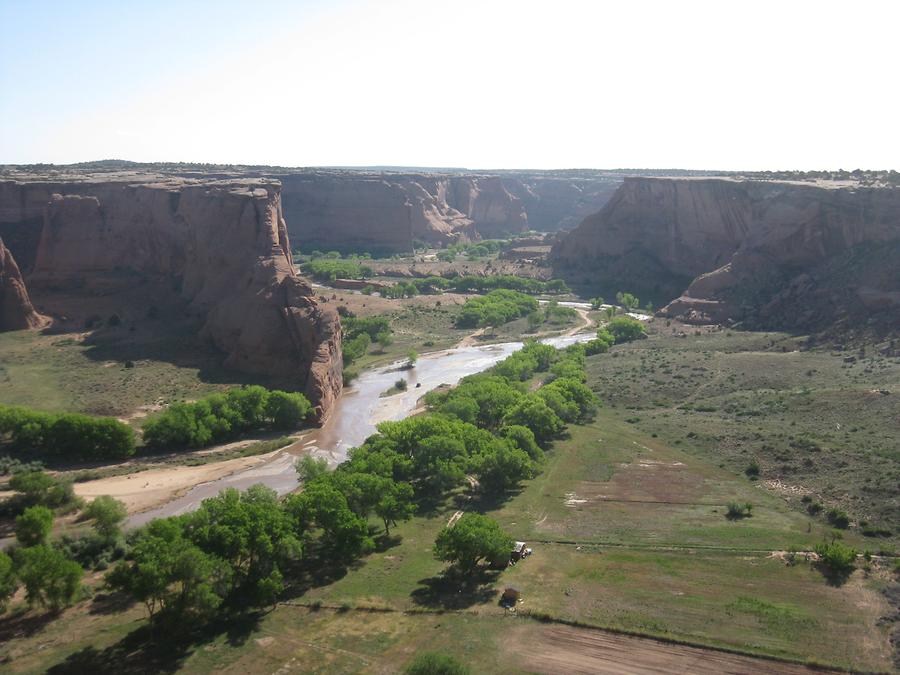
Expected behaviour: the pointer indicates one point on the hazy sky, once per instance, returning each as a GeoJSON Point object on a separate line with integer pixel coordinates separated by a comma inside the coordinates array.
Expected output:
{"type": "Point", "coordinates": [468, 83]}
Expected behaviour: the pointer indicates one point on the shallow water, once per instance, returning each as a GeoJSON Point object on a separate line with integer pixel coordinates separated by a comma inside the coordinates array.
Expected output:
{"type": "Point", "coordinates": [354, 417]}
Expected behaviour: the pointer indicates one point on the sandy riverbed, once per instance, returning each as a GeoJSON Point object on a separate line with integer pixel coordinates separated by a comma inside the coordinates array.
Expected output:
{"type": "Point", "coordinates": [154, 487]}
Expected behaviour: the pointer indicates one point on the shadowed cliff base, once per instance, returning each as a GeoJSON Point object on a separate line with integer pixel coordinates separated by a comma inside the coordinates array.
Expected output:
{"type": "Point", "coordinates": [115, 353]}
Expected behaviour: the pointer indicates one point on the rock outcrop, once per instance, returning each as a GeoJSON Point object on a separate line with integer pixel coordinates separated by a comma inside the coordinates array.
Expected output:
{"type": "Point", "coordinates": [16, 310]}
{"type": "Point", "coordinates": [224, 244]}
{"type": "Point", "coordinates": [771, 254]}
{"type": "Point", "coordinates": [560, 200]}
{"type": "Point", "coordinates": [388, 212]}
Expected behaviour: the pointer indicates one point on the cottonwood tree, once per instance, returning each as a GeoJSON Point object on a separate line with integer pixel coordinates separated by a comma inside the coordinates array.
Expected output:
{"type": "Point", "coordinates": [470, 540]}
{"type": "Point", "coordinates": [8, 581]}
{"type": "Point", "coordinates": [108, 515]}
{"type": "Point", "coordinates": [253, 535]}
{"type": "Point", "coordinates": [170, 574]}
{"type": "Point", "coordinates": [33, 526]}
{"type": "Point", "coordinates": [50, 579]}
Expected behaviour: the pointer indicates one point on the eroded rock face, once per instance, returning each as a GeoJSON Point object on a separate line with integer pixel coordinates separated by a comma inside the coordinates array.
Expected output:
{"type": "Point", "coordinates": [223, 243]}
{"type": "Point", "coordinates": [555, 202]}
{"type": "Point", "coordinates": [16, 310]}
{"type": "Point", "coordinates": [773, 254]}
{"type": "Point", "coordinates": [388, 212]}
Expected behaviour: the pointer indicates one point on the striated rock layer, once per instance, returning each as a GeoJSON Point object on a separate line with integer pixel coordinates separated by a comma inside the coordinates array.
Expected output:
{"type": "Point", "coordinates": [773, 254]}
{"type": "Point", "coordinates": [16, 310]}
{"type": "Point", "coordinates": [223, 243]}
{"type": "Point", "coordinates": [388, 212]}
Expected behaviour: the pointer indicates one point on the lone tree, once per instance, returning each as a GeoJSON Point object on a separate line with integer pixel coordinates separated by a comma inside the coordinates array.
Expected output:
{"type": "Point", "coordinates": [108, 514]}
{"type": "Point", "coordinates": [33, 526]}
{"type": "Point", "coordinates": [472, 539]}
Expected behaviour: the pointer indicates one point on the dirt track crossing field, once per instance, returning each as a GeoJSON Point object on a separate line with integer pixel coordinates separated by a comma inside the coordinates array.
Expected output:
{"type": "Point", "coordinates": [573, 651]}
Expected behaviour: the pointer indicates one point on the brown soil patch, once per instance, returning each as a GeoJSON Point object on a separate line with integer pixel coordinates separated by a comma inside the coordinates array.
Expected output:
{"type": "Point", "coordinates": [573, 651]}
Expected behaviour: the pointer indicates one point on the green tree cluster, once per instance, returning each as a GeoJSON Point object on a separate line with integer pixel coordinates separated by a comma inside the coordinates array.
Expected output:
{"type": "Point", "coordinates": [37, 488]}
{"type": "Point", "coordinates": [360, 333]}
{"type": "Point", "coordinates": [495, 308]}
{"type": "Point", "coordinates": [68, 435]}
{"type": "Point", "coordinates": [626, 329]}
{"type": "Point", "coordinates": [221, 417]}
{"type": "Point", "coordinates": [329, 269]}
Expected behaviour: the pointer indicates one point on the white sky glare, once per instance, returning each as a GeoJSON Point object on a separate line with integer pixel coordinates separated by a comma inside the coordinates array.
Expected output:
{"type": "Point", "coordinates": [464, 83]}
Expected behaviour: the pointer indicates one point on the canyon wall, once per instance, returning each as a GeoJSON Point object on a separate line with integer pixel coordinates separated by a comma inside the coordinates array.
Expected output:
{"type": "Point", "coordinates": [560, 201]}
{"type": "Point", "coordinates": [224, 244]}
{"type": "Point", "coordinates": [388, 212]}
{"type": "Point", "coordinates": [771, 254]}
{"type": "Point", "coordinates": [16, 310]}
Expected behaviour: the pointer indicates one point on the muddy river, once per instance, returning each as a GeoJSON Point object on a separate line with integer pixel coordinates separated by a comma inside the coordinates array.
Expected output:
{"type": "Point", "coordinates": [354, 417]}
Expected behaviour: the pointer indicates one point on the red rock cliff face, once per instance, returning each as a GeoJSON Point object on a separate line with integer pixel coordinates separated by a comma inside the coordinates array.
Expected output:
{"type": "Point", "coordinates": [560, 202]}
{"type": "Point", "coordinates": [774, 254]}
{"type": "Point", "coordinates": [16, 310]}
{"type": "Point", "coordinates": [225, 242]}
{"type": "Point", "coordinates": [388, 212]}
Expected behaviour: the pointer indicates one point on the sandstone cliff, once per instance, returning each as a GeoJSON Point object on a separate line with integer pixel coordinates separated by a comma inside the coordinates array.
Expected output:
{"type": "Point", "coordinates": [773, 254]}
{"type": "Point", "coordinates": [560, 200]}
{"type": "Point", "coordinates": [388, 212]}
{"type": "Point", "coordinates": [223, 243]}
{"type": "Point", "coordinates": [16, 310]}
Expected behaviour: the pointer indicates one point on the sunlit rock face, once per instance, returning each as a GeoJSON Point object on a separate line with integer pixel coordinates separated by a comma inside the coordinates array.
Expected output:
{"type": "Point", "coordinates": [772, 254]}
{"type": "Point", "coordinates": [223, 243]}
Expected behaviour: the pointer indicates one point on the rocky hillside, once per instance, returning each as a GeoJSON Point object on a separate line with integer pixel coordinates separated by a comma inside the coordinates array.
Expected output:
{"type": "Point", "coordinates": [16, 310]}
{"type": "Point", "coordinates": [223, 244]}
{"type": "Point", "coordinates": [770, 254]}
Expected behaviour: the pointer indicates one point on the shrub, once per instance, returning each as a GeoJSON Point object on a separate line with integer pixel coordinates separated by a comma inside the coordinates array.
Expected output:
{"type": "Point", "coordinates": [838, 518]}
{"type": "Point", "coordinates": [433, 663]}
{"type": "Point", "coordinates": [836, 557]}
{"type": "Point", "coordinates": [737, 511]}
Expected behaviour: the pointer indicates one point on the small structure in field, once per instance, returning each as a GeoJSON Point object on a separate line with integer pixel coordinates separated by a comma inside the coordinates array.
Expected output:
{"type": "Point", "coordinates": [511, 595]}
{"type": "Point", "coordinates": [520, 550]}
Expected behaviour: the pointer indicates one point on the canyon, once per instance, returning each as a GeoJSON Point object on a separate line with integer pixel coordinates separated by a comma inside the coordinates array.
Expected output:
{"type": "Point", "coordinates": [221, 247]}
{"type": "Point", "coordinates": [772, 254]}
{"type": "Point", "coordinates": [388, 212]}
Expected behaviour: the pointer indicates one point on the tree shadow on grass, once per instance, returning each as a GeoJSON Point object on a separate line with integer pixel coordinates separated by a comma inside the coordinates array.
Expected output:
{"type": "Point", "coordinates": [24, 623]}
{"type": "Point", "coordinates": [456, 590]}
{"type": "Point", "coordinates": [834, 577]}
{"type": "Point", "coordinates": [318, 567]}
{"type": "Point", "coordinates": [157, 651]}
{"type": "Point", "coordinates": [111, 603]}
